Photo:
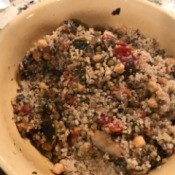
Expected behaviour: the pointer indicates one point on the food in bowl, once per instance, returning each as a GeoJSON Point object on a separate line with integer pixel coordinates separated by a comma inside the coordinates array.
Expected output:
{"type": "Point", "coordinates": [97, 101]}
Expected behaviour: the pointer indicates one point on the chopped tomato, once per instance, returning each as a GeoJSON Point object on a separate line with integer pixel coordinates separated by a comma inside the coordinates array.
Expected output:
{"type": "Point", "coordinates": [71, 80]}
{"type": "Point", "coordinates": [71, 101]}
{"type": "Point", "coordinates": [168, 70]}
{"type": "Point", "coordinates": [125, 90]}
{"type": "Point", "coordinates": [72, 136]}
{"type": "Point", "coordinates": [124, 54]}
{"type": "Point", "coordinates": [143, 114]}
{"type": "Point", "coordinates": [115, 128]}
{"type": "Point", "coordinates": [108, 122]}
{"type": "Point", "coordinates": [68, 73]}
{"type": "Point", "coordinates": [63, 47]}
{"type": "Point", "coordinates": [70, 140]}
{"type": "Point", "coordinates": [75, 132]}
{"type": "Point", "coordinates": [25, 109]}
{"type": "Point", "coordinates": [104, 119]}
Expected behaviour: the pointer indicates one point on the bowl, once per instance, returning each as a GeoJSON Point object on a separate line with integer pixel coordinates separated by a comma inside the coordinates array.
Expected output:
{"type": "Point", "coordinates": [17, 155]}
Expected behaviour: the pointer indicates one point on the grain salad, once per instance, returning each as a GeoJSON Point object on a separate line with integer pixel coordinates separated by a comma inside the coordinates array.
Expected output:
{"type": "Point", "coordinates": [97, 101]}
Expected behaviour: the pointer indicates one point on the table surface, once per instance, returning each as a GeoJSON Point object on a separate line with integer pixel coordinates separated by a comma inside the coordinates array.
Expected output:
{"type": "Point", "coordinates": [18, 6]}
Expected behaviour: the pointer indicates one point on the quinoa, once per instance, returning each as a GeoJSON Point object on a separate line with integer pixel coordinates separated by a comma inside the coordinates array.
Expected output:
{"type": "Point", "coordinates": [98, 101]}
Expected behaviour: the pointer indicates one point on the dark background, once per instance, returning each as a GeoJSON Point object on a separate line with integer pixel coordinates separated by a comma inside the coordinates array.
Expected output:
{"type": "Point", "coordinates": [1, 172]}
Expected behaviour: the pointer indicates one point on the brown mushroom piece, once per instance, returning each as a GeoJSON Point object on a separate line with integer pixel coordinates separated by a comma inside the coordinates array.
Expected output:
{"type": "Point", "coordinates": [103, 142]}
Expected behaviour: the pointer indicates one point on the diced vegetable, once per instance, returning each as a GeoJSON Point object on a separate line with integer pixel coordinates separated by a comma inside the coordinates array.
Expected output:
{"type": "Point", "coordinates": [104, 142]}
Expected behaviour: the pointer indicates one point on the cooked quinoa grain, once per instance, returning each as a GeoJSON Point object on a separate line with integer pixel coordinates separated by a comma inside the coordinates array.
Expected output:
{"type": "Point", "coordinates": [98, 101]}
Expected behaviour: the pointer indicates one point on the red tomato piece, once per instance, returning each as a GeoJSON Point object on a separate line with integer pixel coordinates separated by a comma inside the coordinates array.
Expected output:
{"type": "Point", "coordinates": [104, 119]}
{"type": "Point", "coordinates": [25, 109]}
{"type": "Point", "coordinates": [124, 53]}
{"type": "Point", "coordinates": [125, 90]}
{"type": "Point", "coordinates": [115, 128]}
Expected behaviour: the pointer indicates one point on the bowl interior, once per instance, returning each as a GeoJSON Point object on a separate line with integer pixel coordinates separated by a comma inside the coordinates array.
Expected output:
{"type": "Point", "coordinates": [17, 155]}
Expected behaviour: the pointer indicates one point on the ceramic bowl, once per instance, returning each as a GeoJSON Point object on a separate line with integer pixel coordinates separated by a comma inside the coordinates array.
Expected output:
{"type": "Point", "coordinates": [17, 155]}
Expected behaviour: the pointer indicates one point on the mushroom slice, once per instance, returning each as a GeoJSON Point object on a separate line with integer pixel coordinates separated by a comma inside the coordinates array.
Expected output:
{"type": "Point", "coordinates": [104, 142]}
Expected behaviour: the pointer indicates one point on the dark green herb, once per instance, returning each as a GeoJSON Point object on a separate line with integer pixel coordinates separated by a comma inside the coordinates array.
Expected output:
{"type": "Point", "coordinates": [161, 152]}
{"type": "Point", "coordinates": [172, 73]}
{"type": "Point", "coordinates": [48, 130]}
{"type": "Point", "coordinates": [27, 75]}
{"type": "Point", "coordinates": [121, 162]}
{"type": "Point", "coordinates": [80, 44]}
{"type": "Point", "coordinates": [72, 26]}
{"type": "Point", "coordinates": [19, 98]}
{"type": "Point", "coordinates": [46, 112]}
{"type": "Point", "coordinates": [155, 163]}
{"type": "Point", "coordinates": [130, 67]}
{"type": "Point", "coordinates": [27, 60]}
